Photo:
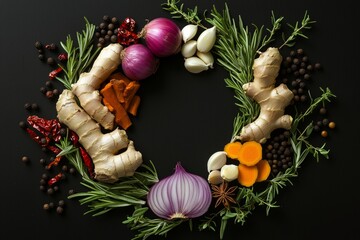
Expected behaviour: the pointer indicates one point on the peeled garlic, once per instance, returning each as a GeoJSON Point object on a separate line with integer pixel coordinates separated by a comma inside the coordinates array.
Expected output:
{"type": "Point", "coordinates": [195, 65]}
{"type": "Point", "coordinates": [188, 49]}
{"type": "Point", "coordinates": [207, 58]}
{"type": "Point", "coordinates": [216, 161]}
{"type": "Point", "coordinates": [188, 32]}
{"type": "Point", "coordinates": [215, 177]}
{"type": "Point", "coordinates": [206, 39]}
{"type": "Point", "coordinates": [229, 172]}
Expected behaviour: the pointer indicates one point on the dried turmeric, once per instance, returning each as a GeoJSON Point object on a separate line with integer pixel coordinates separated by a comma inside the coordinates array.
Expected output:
{"type": "Point", "coordinates": [121, 116]}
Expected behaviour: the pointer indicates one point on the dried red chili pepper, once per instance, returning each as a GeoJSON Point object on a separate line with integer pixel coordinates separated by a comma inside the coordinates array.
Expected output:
{"type": "Point", "coordinates": [87, 161]}
{"type": "Point", "coordinates": [55, 179]}
{"type": "Point", "coordinates": [55, 72]}
{"type": "Point", "coordinates": [62, 57]}
{"type": "Point", "coordinates": [55, 162]}
{"type": "Point", "coordinates": [126, 32]}
{"type": "Point", "coordinates": [129, 24]}
{"type": "Point", "coordinates": [74, 138]}
{"type": "Point", "coordinates": [50, 128]}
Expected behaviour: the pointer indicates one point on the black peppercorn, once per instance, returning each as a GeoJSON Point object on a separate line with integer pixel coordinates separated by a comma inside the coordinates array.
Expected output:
{"type": "Point", "coordinates": [59, 210]}
{"type": "Point", "coordinates": [22, 124]}
{"type": "Point", "coordinates": [41, 57]}
{"type": "Point", "coordinates": [51, 61]}
{"type": "Point", "coordinates": [27, 106]}
{"type": "Point", "coordinates": [38, 45]}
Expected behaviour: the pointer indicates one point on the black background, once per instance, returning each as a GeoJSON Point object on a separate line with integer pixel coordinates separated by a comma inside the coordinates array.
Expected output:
{"type": "Point", "coordinates": [183, 117]}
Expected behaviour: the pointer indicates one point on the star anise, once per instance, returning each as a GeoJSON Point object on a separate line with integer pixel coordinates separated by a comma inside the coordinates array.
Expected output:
{"type": "Point", "coordinates": [223, 194]}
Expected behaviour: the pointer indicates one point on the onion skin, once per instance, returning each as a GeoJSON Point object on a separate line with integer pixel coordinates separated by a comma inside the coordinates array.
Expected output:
{"type": "Point", "coordinates": [138, 62]}
{"type": "Point", "coordinates": [163, 37]}
{"type": "Point", "coordinates": [180, 195]}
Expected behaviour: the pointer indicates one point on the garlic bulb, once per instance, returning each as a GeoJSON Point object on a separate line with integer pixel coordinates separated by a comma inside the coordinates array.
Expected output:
{"type": "Point", "coordinates": [206, 39]}
{"type": "Point", "coordinates": [188, 49]}
{"type": "Point", "coordinates": [180, 195]}
{"type": "Point", "coordinates": [188, 32]}
{"type": "Point", "coordinates": [207, 58]}
{"type": "Point", "coordinates": [195, 65]}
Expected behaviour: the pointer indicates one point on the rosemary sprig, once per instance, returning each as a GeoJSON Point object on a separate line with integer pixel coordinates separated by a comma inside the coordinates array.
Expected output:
{"type": "Point", "coordinates": [297, 31]}
{"type": "Point", "coordinates": [147, 227]}
{"type": "Point", "coordinates": [177, 11]}
{"type": "Point", "coordinates": [79, 58]}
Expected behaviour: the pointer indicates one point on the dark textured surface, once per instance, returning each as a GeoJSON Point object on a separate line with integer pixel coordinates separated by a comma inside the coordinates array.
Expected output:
{"type": "Point", "coordinates": [183, 117]}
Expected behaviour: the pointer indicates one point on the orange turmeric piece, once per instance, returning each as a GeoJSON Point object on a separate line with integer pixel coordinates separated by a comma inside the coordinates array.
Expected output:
{"type": "Point", "coordinates": [264, 170]}
{"type": "Point", "coordinates": [134, 105]}
{"type": "Point", "coordinates": [121, 116]}
{"type": "Point", "coordinates": [119, 96]}
{"type": "Point", "coordinates": [130, 92]}
{"type": "Point", "coordinates": [247, 175]}
{"type": "Point", "coordinates": [119, 88]}
{"type": "Point", "coordinates": [232, 149]}
{"type": "Point", "coordinates": [250, 153]}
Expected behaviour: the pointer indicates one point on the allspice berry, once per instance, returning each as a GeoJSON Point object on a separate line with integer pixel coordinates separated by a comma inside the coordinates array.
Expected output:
{"type": "Point", "coordinates": [324, 133]}
{"type": "Point", "coordinates": [332, 125]}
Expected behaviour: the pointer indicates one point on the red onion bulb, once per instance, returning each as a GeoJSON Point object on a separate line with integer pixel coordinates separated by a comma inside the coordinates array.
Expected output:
{"type": "Point", "coordinates": [138, 62]}
{"type": "Point", "coordinates": [163, 37]}
{"type": "Point", "coordinates": [180, 195]}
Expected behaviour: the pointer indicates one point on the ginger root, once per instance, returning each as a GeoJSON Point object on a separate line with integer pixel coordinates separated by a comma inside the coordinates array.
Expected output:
{"type": "Point", "coordinates": [272, 100]}
{"type": "Point", "coordinates": [86, 88]}
{"type": "Point", "coordinates": [102, 148]}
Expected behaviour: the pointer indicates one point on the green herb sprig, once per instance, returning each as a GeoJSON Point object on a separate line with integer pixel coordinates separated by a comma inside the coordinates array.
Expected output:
{"type": "Point", "coordinates": [80, 57]}
{"type": "Point", "coordinates": [147, 227]}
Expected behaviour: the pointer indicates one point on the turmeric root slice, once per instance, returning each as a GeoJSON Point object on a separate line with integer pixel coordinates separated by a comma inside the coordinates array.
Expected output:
{"type": "Point", "coordinates": [264, 170]}
{"type": "Point", "coordinates": [250, 153]}
{"type": "Point", "coordinates": [247, 175]}
{"type": "Point", "coordinates": [232, 149]}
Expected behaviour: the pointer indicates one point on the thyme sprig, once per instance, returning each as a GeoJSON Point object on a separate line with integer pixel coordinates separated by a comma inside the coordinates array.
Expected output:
{"type": "Point", "coordinates": [80, 57]}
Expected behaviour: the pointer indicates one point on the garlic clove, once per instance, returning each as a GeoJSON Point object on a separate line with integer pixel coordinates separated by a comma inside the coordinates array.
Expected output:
{"type": "Point", "coordinates": [188, 49]}
{"type": "Point", "coordinates": [214, 177]}
{"type": "Point", "coordinates": [216, 161]}
{"type": "Point", "coordinates": [195, 65]}
{"type": "Point", "coordinates": [206, 39]}
{"type": "Point", "coordinates": [188, 32]}
{"type": "Point", "coordinates": [207, 58]}
{"type": "Point", "coordinates": [229, 172]}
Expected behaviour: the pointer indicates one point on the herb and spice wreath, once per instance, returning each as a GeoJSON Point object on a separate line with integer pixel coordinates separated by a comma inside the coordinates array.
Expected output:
{"type": "Point", "coordinates": [271, 132]}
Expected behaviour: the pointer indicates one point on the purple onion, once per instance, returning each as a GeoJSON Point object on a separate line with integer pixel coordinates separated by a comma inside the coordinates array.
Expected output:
{"type": "Point", "coordinates": [138, 62]}
{"type": "Point", "coordinates": [163, 37]}
{"type": "Point", "coordinates": [180, 195]}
